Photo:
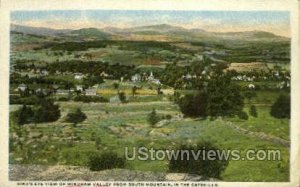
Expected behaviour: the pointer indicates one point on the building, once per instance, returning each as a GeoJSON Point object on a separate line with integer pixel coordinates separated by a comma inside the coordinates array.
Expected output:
{"type": "Point", "coordinates": [136, 78]}
{"type": "Point", "coordinates": [78, 76]}
{"type": "Point", "coordinates": [62, 92]}
{"type": "Point", "coordinates": [91, 92]}
{"type": "Point", "coordinates": [79, 88]}
{"type": "Point", "coordinates": [44, 72]}
{"type": "Point", "coordinates": [22, 87]}
{"type": "Point", "coordinates": [251, 86]}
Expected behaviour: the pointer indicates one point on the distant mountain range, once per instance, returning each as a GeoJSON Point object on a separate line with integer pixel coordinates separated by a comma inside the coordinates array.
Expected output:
{"type": "Point", "coordinates": [169, 32]}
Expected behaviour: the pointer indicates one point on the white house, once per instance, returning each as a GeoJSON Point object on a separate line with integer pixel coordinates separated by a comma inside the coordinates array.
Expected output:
{"type": "Point", "coordinates": [62, 92]}
{"type": "Point", "coordinates": [22, 87]}
{"type": "Point", "coordinates": [44, 72]}
{"type": "Point", "coordinates": [251, 86]}
{"type": "Point", "coordinates": [78, 76]}
{"type": "Point", "coordinates": [103, 74]}
{"type": "Point", "coordinates": [79, 88]}
{"type": "Point", "coordinates": [156, 81]}
{"type": "Point", "coordinates": [136, 78]}
{"type": "Point", "coordinates": [91, 92]}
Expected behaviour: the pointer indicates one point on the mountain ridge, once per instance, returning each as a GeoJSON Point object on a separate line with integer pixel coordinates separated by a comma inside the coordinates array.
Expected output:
{"type": "Point", "coordinates": [159, 29]}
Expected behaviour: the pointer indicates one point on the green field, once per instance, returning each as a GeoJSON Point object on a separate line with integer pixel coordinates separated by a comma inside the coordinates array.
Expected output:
{"type": "Point", "coordinates": [121, 125]}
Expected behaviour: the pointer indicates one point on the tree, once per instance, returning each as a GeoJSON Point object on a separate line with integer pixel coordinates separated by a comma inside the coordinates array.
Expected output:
{"type": "Point", "coordinates": [76, 117]}
{"type": "Point", "coordinates": [194, 105]}
{"type": "Point", "coordinates": [215, 97]}
{"type": "Point", "coordinates": [23, 115]}
{"type": "Point", "coordinates": [92, 80]}
{"type": "Point", "coordinates": [153, 118]}
{"type": "Point", "coordinates": [253, 111]}
{"type": "Point", "coordinates": [133, 90]}
{"type": "Point", "coordinates": [116, 86]}
{"type": "Point", "coordinates": [282, 107]}
{"type": "Point", "coordinates": [46, 111]}
{"type": "Point", "coordinates": [224, 97]}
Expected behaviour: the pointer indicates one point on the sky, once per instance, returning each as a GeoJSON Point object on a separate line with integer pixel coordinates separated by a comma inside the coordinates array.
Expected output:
{"type": "Point", "coordinates": [276, 22]}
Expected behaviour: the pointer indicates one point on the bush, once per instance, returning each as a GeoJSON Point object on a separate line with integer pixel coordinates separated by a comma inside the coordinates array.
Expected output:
{"type": "Point", "coordinates": [76, 117]}
{"type": "Point", "coordinates": [63, 99]}
{"type": "Point", "coordinates": [122, 97]}
{"type": "Point", "coordinates": [153, 118]}
{"type": "Point", "coordinates": [243, 115]}
{"type": "Point", "coordinates": [282, 107]}
{"type": "Point", "coordinates": [253, 111]}
{"type": "Point", "coordinates": [200, 166]}
{"type": "Point", "coordinates": [106, 160]}
{"type": "Point", "coordinates": [250, 94]}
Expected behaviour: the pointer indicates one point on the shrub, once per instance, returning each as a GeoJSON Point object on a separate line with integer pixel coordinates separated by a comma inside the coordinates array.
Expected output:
{"type": "Point", "coordinates": [153, 118]}
{"type": "Point", "coordinates": [106, 160]}
{"type": "Point", "coordinates": [122, 97]}
{"type": "Point", "coordinates": [253, 111]}
{"type": "Point", "coordinates": [243, 115]}
{"type": "Point", "coordinates": [76, 117]}
{"type": "Point", "coordinates": [250, 94]}
{"type": "Point", "coordinates": [282, 107]}
{"type": "Point", "coordinates": [168, 117]}
{"type": "Point", "coordinates": [200, 166]}
{"type": "Point", "coordinates": [63, 99]}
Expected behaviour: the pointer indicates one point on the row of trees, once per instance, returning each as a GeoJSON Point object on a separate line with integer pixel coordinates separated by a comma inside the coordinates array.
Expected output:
{"type": "Point", "coordinates": [43, 111]}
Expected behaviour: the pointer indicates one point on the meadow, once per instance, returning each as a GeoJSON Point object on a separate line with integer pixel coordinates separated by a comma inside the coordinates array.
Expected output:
{"type": "Point", "coordinates": [125, 125]}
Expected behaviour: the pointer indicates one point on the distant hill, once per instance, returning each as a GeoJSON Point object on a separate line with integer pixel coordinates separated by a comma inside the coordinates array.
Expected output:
{"type": "Point", "coordinates": [91, 32]}
{"type": "Point", "coordinates": [42, 31]}
{"type": "Point", "coordinates": [172, 33]}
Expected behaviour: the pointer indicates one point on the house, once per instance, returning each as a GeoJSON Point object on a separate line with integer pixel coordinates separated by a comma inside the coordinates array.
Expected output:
{"type": "Point", "coordinates": [79, 88]}
{"type": "Point", "coordinates": [91, 92]}
{"type": "Point", "coordinates": [251, 86]}
{"type": "Point", "coordinates": [78, 76]}
{"type": "Point", "coordinates": [44, 72]}
{"type": "Point", "coordinates": [62, 92]}
{"type": "Point", "coordinates": [22, 87]}
{"type": "Point", "coordinates": [55, 86]}
{"type": "Point", "coordinates": [156, 81]}
{"type": "Point", "coordinates": [41, 91]}
{"type": "Point", "coordinates": [136, 78]}
{"type": "Point", "coordinates": [103, 74]}
{"type": "Point", "coordinates": [199, 57]}
{"type": "Point", "coordinates": [188, 76]}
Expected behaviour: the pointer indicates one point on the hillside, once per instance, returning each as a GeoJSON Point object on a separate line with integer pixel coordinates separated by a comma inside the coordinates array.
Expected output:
{"type": "Point", "coordinates": [169, 32]}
